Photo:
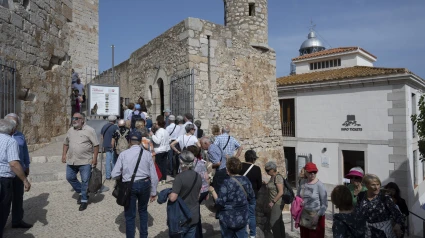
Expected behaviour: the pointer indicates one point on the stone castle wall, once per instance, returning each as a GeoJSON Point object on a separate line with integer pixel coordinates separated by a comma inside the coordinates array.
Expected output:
{"type": "Point", "coordinates": [84, 43]}
{"type": "Point", "coordinates": [161, 58]}
{"type": "Point", "coordinates": [236, 86]}
{"type": "Point", "coordinates": [36, 34]}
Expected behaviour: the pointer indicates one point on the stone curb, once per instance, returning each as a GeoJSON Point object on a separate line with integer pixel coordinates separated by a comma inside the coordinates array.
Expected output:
{"type": "Point", "coordinates": [53, 159]}
{"type": "Point", "coordinates": [47, 177]}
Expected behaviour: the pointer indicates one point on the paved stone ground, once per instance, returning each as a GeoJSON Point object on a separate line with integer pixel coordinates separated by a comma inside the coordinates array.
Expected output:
{"type": "Point", "coordinates": [52, 208]}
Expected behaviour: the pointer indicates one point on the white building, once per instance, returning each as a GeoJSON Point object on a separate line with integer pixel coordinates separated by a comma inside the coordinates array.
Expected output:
{"type": "Point", "coordinates": [340, 112]}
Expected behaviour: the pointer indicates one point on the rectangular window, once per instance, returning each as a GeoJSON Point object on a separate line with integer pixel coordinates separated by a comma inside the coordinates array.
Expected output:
{"type": "Point", "coordinates": [339, 62]}
{"type": "Point", "coordinates": [319, 65]}
{"type": "Point", "coordinates": [327, 64]}
{"type": "Point", "coordinates": [251, 9]}
{"type": "Point", "coordinates": [315, 65]}
{"type": "Point", "coordinates": [311, 66]}
{"type": "Point", "coordinates": [323, 65]}
{"type": "Point", "coordinates": [415, 164]}
{"type": "Point", "coordinates": [331, 63]}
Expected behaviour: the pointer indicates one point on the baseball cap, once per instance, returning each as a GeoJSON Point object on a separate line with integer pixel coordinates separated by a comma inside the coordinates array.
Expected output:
{"type": "Point", "coordinates": [251, 154]}
{"type": "Point", "coordinates": [135, 136]}
{"type": "Point", "coordinates": [311, 167]}
{"type": "Point", "coordinates": [172, 118]}
{"type": "Point", "coordinates": [167, 110]}
{"type": "Point", "coordinates": [137, 107]}
{"type": "Point", "coordinates": [112, 118]}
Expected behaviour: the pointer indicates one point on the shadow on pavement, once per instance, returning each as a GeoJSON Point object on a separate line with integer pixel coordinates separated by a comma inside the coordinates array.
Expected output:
{"type": "Point", "coordinates": [32, 214]}
{"type": "Point", "coordinates": [209, 230]}
{"type": "Point", "coordinates": [120, 220]}
{"type": "Point", "coordinates": [38, 213]}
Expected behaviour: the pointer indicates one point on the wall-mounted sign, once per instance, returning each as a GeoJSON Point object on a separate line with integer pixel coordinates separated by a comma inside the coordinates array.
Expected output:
{"type": "Point", "coordinates": [104, 100]}
{"type": "Point", "coordinates": [351, 124]}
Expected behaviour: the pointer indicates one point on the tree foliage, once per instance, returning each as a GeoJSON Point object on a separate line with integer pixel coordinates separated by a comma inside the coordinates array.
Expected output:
{"type": "Point", "coordinates": [419, 121]}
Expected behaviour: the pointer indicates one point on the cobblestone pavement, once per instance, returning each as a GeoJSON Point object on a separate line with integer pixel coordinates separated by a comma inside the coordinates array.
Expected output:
{"type": "Point", "coordinates": [52, 208]}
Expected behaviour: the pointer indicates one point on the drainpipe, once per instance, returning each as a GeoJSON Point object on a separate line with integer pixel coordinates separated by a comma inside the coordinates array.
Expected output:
{"type": "Point", "coordinates": [209, 63]}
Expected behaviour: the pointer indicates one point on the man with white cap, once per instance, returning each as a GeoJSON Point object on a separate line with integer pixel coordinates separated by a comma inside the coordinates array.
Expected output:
{"type": "Point", "coordinates": [107, 133]}
{"type": "Point", "coordinates": [167, 113]}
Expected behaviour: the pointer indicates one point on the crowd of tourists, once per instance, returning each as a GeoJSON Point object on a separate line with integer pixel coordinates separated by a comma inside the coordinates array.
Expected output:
{"type": "Point", "coordinates": [141, 154]}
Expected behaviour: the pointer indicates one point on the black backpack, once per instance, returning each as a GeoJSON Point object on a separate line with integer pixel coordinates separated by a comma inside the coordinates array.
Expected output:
{"type": "Point", "coordinates": [134, 118]}
{"type": "Point", "coordinates": [288, 194]}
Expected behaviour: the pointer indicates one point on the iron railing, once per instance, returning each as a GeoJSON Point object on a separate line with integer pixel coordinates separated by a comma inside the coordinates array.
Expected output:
{"type": "Point", "coordinates": [288, 129]}
{"type": "Point", "coordinates": [7, 87]}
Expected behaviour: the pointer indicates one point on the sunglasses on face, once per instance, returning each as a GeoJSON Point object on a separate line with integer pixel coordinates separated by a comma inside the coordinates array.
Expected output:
{"type": "Point", "coordinates": [76, 118]}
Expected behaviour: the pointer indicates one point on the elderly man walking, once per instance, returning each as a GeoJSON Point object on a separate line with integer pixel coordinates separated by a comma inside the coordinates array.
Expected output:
{"type": "Point", "coordinates": [80, 149]}
{"type": "Point", "coordinates": [228, 143]}
{"type": "Point", "coordinates": [144, 186]}
{"type": "Point", "coordinates": [18, 185]}
{"type": "Point", "coordinates": [9, 168]}
{"type": "Point", "coordinates": [107, 133]}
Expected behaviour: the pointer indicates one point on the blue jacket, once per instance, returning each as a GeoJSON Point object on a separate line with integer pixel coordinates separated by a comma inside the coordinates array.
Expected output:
{"type": "Point", "coordinates": [178, 214]}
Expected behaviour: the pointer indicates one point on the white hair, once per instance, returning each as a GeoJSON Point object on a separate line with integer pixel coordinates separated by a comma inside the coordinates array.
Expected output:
{"type": "Point", "coordinates": [6, 126]}
{"type": "Point", "coordinates": [14, 116]}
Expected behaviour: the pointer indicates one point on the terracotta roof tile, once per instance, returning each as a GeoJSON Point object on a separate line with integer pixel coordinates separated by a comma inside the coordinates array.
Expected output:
{"type": "Point", "coordinates": [338, 74]}
{"type": "Point", "coordinates": [330, 52]}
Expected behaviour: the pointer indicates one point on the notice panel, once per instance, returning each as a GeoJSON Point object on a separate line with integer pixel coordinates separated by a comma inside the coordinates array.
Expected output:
{"type": "Point", "coordinates": [104, 100]}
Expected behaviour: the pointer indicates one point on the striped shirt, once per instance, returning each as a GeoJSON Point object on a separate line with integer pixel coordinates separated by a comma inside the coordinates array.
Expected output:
{"type": "Point", "coordinates": [8, 152]}
{"type": "Point", "coordinates": [127, 161]}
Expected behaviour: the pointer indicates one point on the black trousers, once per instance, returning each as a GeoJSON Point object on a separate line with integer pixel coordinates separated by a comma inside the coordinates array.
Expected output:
{"type": "Point", "coordinates": [6, 191]}
{"type": "Point", "coordinates": [17, 201]}
{"type": "Point", "coordinates": [161, 161]}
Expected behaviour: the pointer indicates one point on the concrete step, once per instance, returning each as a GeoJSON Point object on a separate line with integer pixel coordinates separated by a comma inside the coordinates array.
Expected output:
{"type": "Point", "coordinates": [53, 171]}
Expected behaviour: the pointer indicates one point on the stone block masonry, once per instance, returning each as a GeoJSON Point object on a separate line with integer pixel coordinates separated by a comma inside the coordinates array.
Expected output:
{"type": "Point", "coordinates": [84, 33]}
{"type": "Point", "coordinates": [36, 34]}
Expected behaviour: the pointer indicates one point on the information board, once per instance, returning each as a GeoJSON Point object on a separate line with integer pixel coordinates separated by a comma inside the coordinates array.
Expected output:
{"type": "Point", "coordinates": [104, 100]}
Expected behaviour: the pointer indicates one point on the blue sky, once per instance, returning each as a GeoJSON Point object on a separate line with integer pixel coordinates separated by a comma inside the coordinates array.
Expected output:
{"type": "Point", "coordinates": [394, 31]}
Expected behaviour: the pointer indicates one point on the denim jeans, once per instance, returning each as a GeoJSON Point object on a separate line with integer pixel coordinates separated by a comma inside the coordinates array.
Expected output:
{"type": "Point", "coordinates": [110, 163]}
{"type": "Point", "coordinates": [188, 231]}
{"type": "Point", "coordinates": [6, 191]}
{"type": "Point", "coordinates": [17, 201]}
{"type": "Point", "coordinates": [85, 173]}
{"type": "Point", "coordinates": [252, 221]}
{"type": "Point", "coordinates": [140, 192]}
{"type": "Point", "coordinates": [231, 233]}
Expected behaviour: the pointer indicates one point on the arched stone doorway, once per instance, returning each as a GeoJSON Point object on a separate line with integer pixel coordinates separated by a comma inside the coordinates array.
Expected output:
{"type": "Point", "coordinates": [159, 91]}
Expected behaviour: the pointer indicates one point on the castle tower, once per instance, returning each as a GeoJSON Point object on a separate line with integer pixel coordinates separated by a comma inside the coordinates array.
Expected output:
{"type": "Point", "coordinates": [250, 16]}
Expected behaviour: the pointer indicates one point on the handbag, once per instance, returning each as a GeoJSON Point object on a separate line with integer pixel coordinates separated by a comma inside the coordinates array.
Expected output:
{"type": "Point", "coordinates": [95, 181]}
{"type": "Point", "coordinates": [307, 218]}
{"type": "Point", "coordinates": [122, 190]}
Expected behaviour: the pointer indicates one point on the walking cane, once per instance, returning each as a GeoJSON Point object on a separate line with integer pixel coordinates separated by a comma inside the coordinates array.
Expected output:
{"type": "Point", "coordinates": [103, 188]}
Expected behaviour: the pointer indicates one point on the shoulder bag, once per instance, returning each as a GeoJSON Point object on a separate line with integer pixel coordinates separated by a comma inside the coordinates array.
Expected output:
{"type": "Point", "coordinates": [250, 167]}
{"type": "Point", "coordinates": [122, 190]}
{"type": "Point", "coordinates": [307, 217]}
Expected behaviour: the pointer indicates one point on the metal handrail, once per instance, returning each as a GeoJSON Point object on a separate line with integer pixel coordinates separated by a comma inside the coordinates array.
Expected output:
{"type": "Point", "coordinates": [423, 219]}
